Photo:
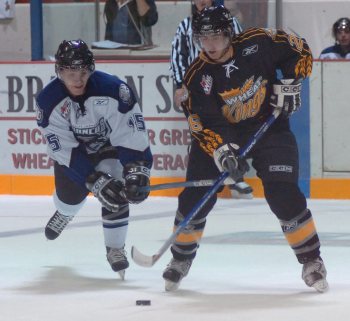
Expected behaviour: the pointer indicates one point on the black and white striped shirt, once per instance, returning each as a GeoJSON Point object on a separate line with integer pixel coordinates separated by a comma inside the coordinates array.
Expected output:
{"type": "Point", "coordinates": [183, 50]}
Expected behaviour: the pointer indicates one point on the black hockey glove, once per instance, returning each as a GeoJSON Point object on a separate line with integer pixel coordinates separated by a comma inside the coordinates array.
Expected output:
{"type": "Point", "coordinates": [226, 160]}
{"type": "Point", "coordinates": [108, 190]}
{"type": "Point", "coordinates": [287, 96]}
{"type": "Point", "coordinates": [136, 175]}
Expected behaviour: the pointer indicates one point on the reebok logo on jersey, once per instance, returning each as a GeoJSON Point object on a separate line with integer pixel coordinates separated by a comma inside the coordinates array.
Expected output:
{"type": "Point", "coordinates": [281, 168]}
{"type": "Point", "coordinates": [250, 50]}
{"type": "Point", "coordinates": [207, 83]}
{"type": "Point", "coordinates": [230, 67]}
{"type": "Point", "coordinates": [100, 102]}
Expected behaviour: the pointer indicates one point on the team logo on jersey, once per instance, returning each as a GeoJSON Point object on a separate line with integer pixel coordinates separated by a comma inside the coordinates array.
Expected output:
{"type": "Point", "coordinates": [230, 67]}
{"type": "Point", "coordinates": [207, 84]}
{"type": "Point", "coordinates": [250, 50]}
{"type": "Point", "coordinates": [244, 102]}
{"type": "Point", "coordinates": [124, 94]}
{"type": "Point", "coordinates": [94, 136]}
{"type": "Point", "coordinates": [65, 109]}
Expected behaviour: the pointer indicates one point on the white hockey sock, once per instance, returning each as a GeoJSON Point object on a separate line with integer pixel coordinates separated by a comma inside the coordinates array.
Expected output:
{"type": "Point", "coordinates": [115, 232]}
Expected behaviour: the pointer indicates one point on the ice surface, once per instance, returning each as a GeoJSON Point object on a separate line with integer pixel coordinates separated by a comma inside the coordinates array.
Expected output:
{"type": "Point", "coordinates": [244, 270]}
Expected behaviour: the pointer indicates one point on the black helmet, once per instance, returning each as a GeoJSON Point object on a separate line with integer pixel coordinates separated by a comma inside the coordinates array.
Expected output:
{"type": "Point", "coordinates": [341, 24]}
{"type": "Point", "coordinates": [211, 21]}
{"type": "Point", "coordinates": [74, 54]}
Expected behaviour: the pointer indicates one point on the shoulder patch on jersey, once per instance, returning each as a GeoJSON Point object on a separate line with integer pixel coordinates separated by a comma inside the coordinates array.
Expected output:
{"type": "Point", "coordinates": [124, 94]}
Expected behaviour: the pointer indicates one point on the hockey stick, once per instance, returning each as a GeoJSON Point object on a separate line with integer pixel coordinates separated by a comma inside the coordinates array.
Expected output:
{"type": "Point", "coordinates": [148, 261]}
{"type": "Point", "coordinates": [199, 183]}
{"type": "Point", "coordinates": [211, 182]}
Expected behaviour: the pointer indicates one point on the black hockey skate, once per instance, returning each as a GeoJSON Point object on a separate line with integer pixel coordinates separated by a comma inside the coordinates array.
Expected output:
{"type": "Point", "coordinates": [56, 225]}
{"type": "Point", "coordinates": [175, 271]}
{"type": "Point", "coordinates": [118, 260]}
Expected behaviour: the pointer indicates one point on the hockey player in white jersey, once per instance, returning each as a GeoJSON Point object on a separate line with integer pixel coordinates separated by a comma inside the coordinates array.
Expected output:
{"type": "Point", "coordinates": [97, 137]}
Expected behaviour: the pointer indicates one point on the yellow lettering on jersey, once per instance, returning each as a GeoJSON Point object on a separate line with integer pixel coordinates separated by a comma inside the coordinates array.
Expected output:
{"type": "Point", "coordinates": [245, 102]}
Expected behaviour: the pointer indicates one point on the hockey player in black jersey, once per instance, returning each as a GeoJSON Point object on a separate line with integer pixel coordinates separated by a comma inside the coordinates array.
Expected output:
{"type": "Point", "coordinates": [183, 52]}
{"type": "Point", "coordinates": [98, 140]}
{"type": "Point", "coordinates": [232, 89]}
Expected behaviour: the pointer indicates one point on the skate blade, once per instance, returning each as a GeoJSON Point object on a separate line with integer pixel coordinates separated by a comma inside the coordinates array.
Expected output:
{"type": "Point", "coordinates": [171, 286]}
{"type": "Point", "coordinates": [321, 286]}
{"type": "Point", "coordinates": [122, 274]}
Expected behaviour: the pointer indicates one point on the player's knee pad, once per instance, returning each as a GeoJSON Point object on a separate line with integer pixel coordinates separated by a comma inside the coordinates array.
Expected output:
{"type": "Point", "coordinates": [285, 199]}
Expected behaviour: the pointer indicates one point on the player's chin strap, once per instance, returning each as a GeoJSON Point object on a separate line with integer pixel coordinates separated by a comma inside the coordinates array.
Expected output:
{"type": "Point", "coordinates": [148, 261]}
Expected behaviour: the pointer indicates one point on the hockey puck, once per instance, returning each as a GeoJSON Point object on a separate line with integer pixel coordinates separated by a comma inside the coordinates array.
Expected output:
{"type": "Point", "coordinates": [143, 302]}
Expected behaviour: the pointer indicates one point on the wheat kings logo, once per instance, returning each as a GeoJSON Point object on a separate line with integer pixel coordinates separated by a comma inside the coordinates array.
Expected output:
{"type": "Point", "coordinates": [244, 102]}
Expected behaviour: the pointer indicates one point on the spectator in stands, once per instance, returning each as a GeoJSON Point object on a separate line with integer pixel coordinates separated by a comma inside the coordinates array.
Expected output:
{"type": "Point", "coordinates": [130, 21]}
{"type": "Point", "coordinates": [183, 52]}
{"type": "Point", "coordinates": [341, 34]}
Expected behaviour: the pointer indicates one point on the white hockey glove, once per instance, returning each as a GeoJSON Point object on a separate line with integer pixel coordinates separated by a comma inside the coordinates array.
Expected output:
{"type": "Point", "coordinates": [136, 175]}
{"type": "Point", "coordinates": [226, 160]}
{"type": "Point", "coordinates": [287, 96]}
{"type": "Point", "coordinates": [109, 191]}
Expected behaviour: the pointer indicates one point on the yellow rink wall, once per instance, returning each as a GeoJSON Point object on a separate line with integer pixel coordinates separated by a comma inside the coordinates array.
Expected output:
{"type": "Point", "coordinates": [327, 188]}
